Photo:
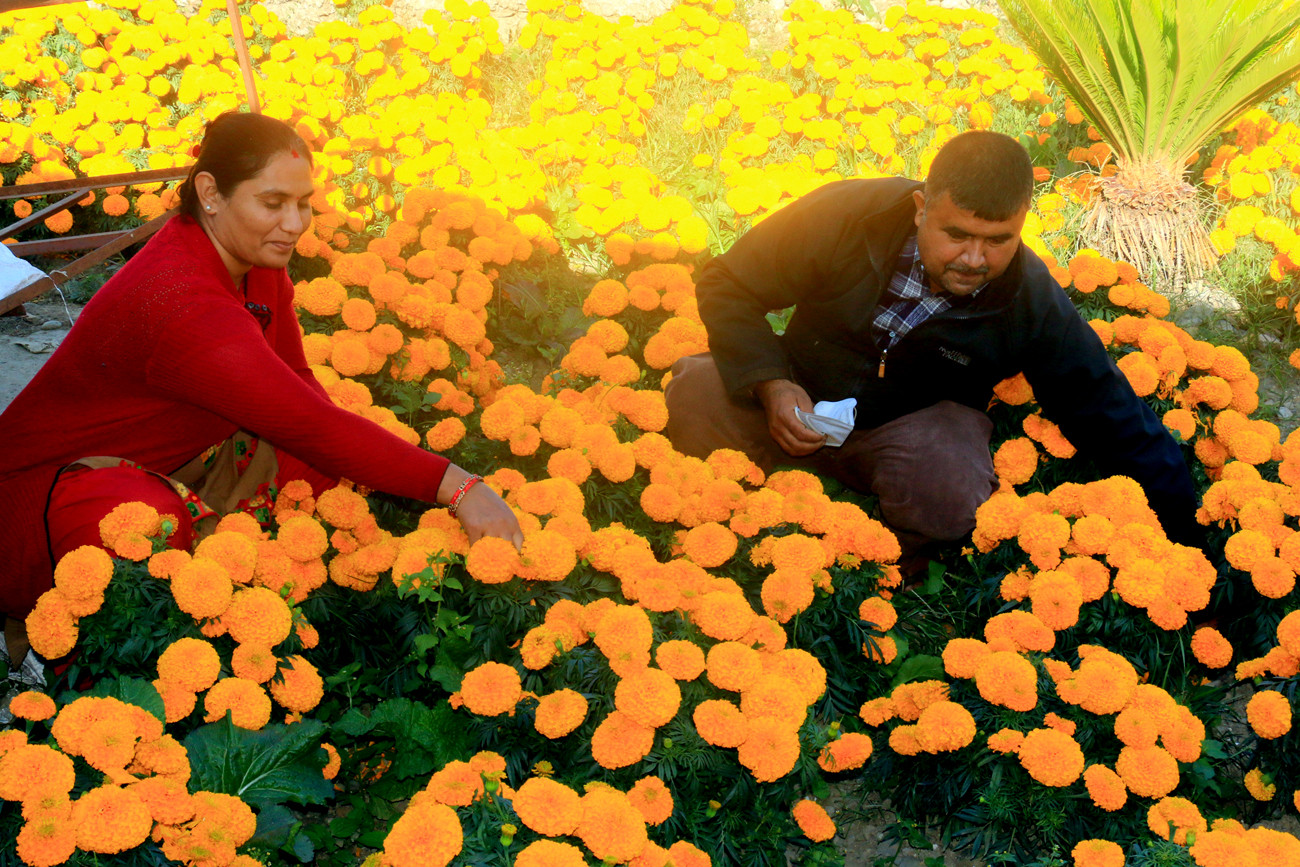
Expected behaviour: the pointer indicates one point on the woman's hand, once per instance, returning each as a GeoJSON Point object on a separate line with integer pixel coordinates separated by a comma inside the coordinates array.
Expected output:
{"type": "Point", "coordinates": [481, 512]}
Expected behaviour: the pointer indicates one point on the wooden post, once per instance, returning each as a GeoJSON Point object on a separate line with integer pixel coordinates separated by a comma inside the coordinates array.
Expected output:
{"type": "Point", "coordinates": [241, 52]}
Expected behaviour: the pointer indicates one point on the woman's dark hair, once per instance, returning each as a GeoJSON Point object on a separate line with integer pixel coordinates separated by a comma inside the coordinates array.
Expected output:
{"type": "Point", "coordinates": [236, 146]}
{"type": "Point", "coordinates": [985, 172]}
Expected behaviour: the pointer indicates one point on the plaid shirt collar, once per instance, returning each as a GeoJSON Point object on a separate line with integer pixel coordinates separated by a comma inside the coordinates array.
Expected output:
{"type": "Point", "coordinates": [908, 301]}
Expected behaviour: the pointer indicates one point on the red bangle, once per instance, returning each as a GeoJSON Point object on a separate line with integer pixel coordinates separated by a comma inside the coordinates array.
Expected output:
{"type": "Point", "coordinates": [470, 481]}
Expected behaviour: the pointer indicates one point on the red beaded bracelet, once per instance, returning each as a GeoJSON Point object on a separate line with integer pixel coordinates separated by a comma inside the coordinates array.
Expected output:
{"type": "Point", "coordinates": [470, 481]}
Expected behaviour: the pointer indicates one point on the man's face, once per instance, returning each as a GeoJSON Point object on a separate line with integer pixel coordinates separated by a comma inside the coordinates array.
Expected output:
{"type": "Point", "coordinates": [960, 251]}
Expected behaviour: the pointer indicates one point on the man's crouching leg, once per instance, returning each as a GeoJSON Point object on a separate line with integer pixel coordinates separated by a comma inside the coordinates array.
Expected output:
{"type": "Point", "coordinates": [930, 469]}
{"type": "Point", "coordinates": [702, 417]}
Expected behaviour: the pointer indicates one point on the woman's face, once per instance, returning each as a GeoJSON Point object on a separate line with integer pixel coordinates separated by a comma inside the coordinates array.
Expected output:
{"type": "Point", "coordinates": [262, 219]}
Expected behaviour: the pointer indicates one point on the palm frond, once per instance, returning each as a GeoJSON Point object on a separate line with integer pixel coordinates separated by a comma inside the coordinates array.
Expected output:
{"type": "Point", "coordinates": [1159, 77]}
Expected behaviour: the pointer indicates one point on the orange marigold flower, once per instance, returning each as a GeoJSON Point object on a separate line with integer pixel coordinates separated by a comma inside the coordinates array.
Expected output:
{"type": "Point", "coordinates": [548, 807]}
{"type": "Point", "coordinates": [1018, 631]}
{"type": "Point", "coordinates": [1177, 814]}
{"type": "Point", "coordinates": [32, 768]}
{"type": "Point", "coordinates": [202, 588]}
{"type": "Point", "coordinates": [248, 703]}
{"type": "Point", "coordinates": [684, 660]}
{"type": "Point", "coordinates": [1051, 757]}
{"type": "Point", "coordinates": [258, 616]}
{"type": "Point", "coordinates": [83, 574]}
{"type": "Point", "coordinates": [126, 529]}
{"type": "Point", "coordinates": [652, 799]}
{"type": "Point", "coordinates": [32, 705]}
{"type": "Point", "coordinates": [456, 784]}
{"type": "Point", "coordinates": [190, 663]}
{"type": "Point", "coordinates": [427, 834]}
{"type": "Point", "coordinates": [770, 751]}
{"type": "Point", "coordinates": [733, 666]}
{"type": "Point", "coordinates": [1006, 741]}
{"type": "Point", "coordinates": [1009, 680]}
{"type": "Point", "coordinates": [560, 713]}
{"type": "Point", "coordinates": [1148, 772]}
{"type": "Point", "coordinates": [1269, 714]}
{"type": "Point", "coordinates": [611, 827]}
{"type": "Point", "coordinates": [111, 820]}
{"type": "Point", "coordinates": [1260, 786]}
{"type": "Point", "coordinates": [620, 741]}
{"type": "Point", "coordinates": [1210, 648]}
{"type": "Point", "coordinates": [1016, 460]}
{"type": "Point", "coordinates": [492, 561]}
{"type": "Point", "coordinates": [813, 820]}
{"type": "Point", "coordinates": [1056, 599]}
{"type": "Point", "coordinates": [47, 839]}
{"type": "Point", "coordinates": [649, 696]}
{"type": "Point", "coordinates": [1105, 787]}
{"type": "Point", "coordinates": [962, 656]}
{"type": "Point", "coordinates": [491, 689]}
{"type": "Point", "coordinates": [720, 723]}
{"type": "Point", "coordinates": [709, 544]}
{"type": "Point", "coordinates": [1097, 853]}
{"type": "Point", "coordinates": [944, 726]}
{"type": "Point", "coordinates": [878, 612]}
{"type": "Point", "coordinates": [299, 687]}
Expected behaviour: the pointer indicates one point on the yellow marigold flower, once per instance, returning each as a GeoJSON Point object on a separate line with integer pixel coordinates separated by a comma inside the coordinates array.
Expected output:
{"type": "Point", "coordinates": [1007, 679]}
{"type": "Point", "coordinates": [111, 820]}
{"type": "Point", "coordinates": [720, 723]}
{"type": "Point", "coordinates": [1269, 714]}
{"type": "Point", "coordinates": [190, 663]}
{"type": "Point", "coordinates": [427, 834]}
{"type": "Point", "coordinates": [560, 713]}
{"type": "Point", "coordinates": [813, 820]}
{"type": "Point", "coordinates": [770, 751]}
{"type": "Point", "coordinates": [491, 689]}
{"type": "Point", "coordinates": [1178, 813]}
{"type": "Point", "coordinates": [548, 807]}
{"type": "Point", "coordinates": [611, 827]}
{"type": "Point", "coordinates": [1097, 853]}
{"type": "Point", "coordinates": [247, 702]}
{"type": "Point", "coordinates": [652, 800]}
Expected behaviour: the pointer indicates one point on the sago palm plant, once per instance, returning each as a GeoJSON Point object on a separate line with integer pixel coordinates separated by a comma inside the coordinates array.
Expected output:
{"type": "Point", "coordinates": [1158, 78]}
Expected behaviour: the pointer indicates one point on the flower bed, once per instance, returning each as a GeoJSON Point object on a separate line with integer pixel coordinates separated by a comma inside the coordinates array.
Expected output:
{"type": "Point", "coordinates": [685, 652]}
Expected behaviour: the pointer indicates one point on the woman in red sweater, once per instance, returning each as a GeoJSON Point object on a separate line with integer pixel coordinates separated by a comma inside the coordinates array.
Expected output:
{"type": "Point", "coordinates": [194, 339]}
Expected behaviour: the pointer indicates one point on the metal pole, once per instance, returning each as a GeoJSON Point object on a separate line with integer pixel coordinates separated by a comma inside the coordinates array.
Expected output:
{"type": "Point", "coordinates": [241, 52]}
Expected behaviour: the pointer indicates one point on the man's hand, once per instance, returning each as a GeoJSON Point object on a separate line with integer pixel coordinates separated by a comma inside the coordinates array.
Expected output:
{"type": "Point", "coordinates": [481, 511]}
{"type": "Point", "coordinates": [779, 398]}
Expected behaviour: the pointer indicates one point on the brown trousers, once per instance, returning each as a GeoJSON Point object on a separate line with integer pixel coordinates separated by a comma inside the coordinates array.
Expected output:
{"type": "Point", "coordinates": [929, 469]}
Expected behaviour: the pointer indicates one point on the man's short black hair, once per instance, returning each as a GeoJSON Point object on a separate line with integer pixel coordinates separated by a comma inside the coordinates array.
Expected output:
{"type": "Point", "coordinates": [985, 172]}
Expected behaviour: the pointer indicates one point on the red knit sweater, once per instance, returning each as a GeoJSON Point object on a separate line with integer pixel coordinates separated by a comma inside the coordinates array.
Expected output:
{"type": "Point", "coordinates": [164, 362]}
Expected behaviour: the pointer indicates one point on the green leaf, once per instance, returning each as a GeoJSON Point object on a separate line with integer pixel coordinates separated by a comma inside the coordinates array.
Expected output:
{"type": "Point", "coordinates": [919, 668]}
{"type": "Point", "coordinates": [276, 764]}
{"type": "Point", "coordinates": [274, 826]}
{"type": "Point", "coordinates": [131, 690]}
{"type": "Point", "coordinates": [424, 737]}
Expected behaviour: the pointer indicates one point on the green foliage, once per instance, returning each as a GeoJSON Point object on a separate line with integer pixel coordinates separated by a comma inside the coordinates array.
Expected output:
{"type": "Point", "coordinates": [1157, 77]}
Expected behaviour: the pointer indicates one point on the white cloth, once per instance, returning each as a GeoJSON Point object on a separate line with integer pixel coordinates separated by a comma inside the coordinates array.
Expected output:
{"type": "Point", "coordinates": [15, 274]}
{"type": "Point", "coordinates": [833, 419]}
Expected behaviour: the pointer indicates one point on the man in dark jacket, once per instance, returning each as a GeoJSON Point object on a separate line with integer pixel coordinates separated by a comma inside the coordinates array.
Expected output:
{"type": "Point", "coordinates": [915, 300]}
